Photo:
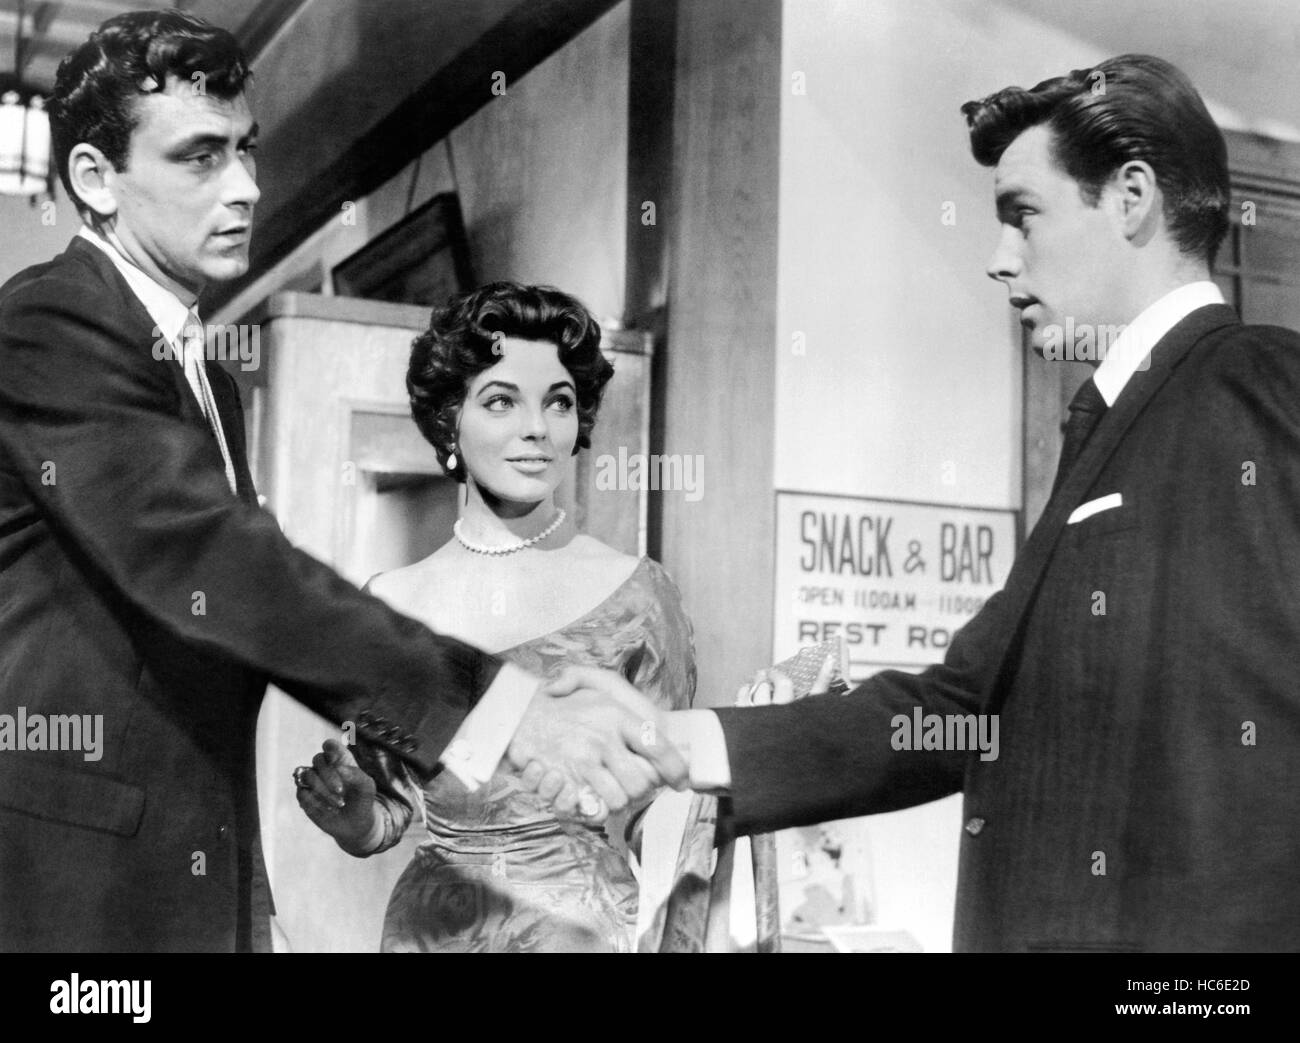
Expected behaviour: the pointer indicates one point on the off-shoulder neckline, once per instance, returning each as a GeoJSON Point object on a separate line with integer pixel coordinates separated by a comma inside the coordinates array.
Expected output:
{"type": "Point", "coordinates": [642, 563]}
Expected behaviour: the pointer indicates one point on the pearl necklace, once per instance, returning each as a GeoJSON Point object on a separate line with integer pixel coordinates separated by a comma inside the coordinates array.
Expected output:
{"type": "Point", "coordinates": [478, 548]}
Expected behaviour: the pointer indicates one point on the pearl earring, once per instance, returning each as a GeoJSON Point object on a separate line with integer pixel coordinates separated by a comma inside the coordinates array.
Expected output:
{"type": "Point", "coordinates": [451, 460]}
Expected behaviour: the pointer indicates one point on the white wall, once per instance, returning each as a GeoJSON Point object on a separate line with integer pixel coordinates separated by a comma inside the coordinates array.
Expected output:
{"type": "Point", "coordinates": [32, 234]}
{"type": "Point", "coordinates": [909, 360]}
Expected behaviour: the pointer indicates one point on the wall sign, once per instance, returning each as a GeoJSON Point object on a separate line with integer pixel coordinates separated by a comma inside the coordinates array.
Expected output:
{"type": "Point", "coordinates": [894, 580]}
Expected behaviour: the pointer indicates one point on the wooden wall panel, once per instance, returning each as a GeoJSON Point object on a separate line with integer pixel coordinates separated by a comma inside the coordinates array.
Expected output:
{"type": "Point", "coordinates": [719, 355]}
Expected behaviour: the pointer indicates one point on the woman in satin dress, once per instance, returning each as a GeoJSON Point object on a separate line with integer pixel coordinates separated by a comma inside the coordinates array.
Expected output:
{"type": "Point", "coordinates": [505, 385]}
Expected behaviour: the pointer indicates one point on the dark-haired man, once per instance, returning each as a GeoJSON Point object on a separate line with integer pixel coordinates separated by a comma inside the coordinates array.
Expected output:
{"type": "Point", "coordinates": [144, 597]}
{"type": "Point", "coordinates": [1143, 657]}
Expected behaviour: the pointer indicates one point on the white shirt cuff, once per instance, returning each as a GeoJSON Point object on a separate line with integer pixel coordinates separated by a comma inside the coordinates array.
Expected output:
{"type": "Point", "coordinates": [698, 735]}
{"type": "Point", "coordinates": [475, 751]}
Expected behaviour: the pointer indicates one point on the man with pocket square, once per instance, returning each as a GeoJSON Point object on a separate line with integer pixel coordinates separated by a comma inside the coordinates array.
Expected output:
{"type": "Point", "coordinates": [1144, 656]}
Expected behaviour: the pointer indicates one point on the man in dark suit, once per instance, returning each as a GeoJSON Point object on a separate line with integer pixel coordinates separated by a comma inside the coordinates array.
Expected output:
{"type": "Point", "coordinates": [145, 599]}
{"type": "Point", "coordinates": [1143, 657]}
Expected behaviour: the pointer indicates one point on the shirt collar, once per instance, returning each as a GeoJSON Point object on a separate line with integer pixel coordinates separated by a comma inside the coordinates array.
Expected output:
{"type": "Point", "coordinates": [164, 307]}
{"type": "Point", "coordinates": [1131, 350]}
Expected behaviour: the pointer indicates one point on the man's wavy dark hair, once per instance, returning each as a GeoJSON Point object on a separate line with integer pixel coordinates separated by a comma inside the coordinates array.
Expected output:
{"type": "Point", "coordinates": [1134, 107]}
{"type": "Point", "coordinates": [131, 55]}
{"type": "Point", "coordinates": [461, 343]}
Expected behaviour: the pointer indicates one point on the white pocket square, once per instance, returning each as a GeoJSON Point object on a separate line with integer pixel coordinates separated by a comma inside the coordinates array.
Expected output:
{"type": "Point", "coordinates": [1087, 510]}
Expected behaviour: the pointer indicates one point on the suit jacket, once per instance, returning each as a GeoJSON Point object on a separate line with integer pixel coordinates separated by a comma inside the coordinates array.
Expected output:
{"type": "Point", "coordinates": [1147, 789]}
{"type": "Point", "coordinates": [133, 585]}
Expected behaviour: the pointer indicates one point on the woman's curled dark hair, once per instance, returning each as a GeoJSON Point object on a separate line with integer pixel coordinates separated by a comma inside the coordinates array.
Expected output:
{"type": "Point", "coordinates": [463, 340]}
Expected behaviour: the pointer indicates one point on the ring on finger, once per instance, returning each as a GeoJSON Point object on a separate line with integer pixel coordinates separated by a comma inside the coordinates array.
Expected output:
{"type": "Point", "coordinates": [589, 802]}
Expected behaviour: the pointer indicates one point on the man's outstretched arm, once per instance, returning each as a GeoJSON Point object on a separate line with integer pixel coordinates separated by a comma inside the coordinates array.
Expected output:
{"type": "Point", "coordinates": [90, 430]}
{"type": "Point", "coordinates": [828, 756]}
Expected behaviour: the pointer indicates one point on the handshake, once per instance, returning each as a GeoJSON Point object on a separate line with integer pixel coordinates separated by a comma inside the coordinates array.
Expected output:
{"type": "Point", "coordinates": [592, 744]}
{"type": "Point", "coordinates": [589, 744]}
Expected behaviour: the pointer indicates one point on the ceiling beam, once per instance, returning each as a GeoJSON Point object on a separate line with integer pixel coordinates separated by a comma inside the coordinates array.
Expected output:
{"type": "Point", "coordinates": [530, 32]}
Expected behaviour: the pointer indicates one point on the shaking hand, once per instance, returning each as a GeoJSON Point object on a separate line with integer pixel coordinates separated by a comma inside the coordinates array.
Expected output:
{"type": "Point", "coordinates": [591, 743]}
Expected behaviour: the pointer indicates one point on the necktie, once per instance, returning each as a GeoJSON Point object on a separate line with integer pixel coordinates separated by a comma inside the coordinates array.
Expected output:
{"type": "Point", "coordinates": [192, 342]}
{"type": "Point", "coordinates": [1086, 408]}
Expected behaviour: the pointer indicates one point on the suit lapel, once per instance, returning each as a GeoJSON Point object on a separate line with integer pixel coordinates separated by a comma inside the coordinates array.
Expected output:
{"type": "Point", "coordinates": [226, 394]}
{"type": "Point", "coordinates": [223, 389]}
{"type": "Point", "coordinates": [1027, 573]}
{"type": "Point", "coordinates": [136, 315]}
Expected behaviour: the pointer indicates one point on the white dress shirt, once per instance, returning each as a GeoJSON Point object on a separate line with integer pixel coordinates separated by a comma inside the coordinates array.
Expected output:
{"type": "Point", "coordinates": [182, 328]}
{"type": "Point", "coordinates": [1132, 348]}
{"type": "Point", "coordinates": [163, 306]}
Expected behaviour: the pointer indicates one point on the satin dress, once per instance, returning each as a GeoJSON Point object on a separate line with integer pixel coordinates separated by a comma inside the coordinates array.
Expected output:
{"type": "Point", "coordinates": [497, 871]}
